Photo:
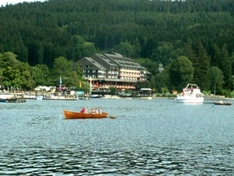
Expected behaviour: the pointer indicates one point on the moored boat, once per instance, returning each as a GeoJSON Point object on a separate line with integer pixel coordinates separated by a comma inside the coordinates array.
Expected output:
{"type": "Point", "coordinates": [191, 94]}
{"type": "Point", "coordinates": [3, 100]}
{"type": "Point", "coordinates": [52, 97]}
{"type": "Point", "coordinates": [146, 98]}
{"type": "Point", "coordinates": [78, 115]}
{"type": "Point", "coordinates": [4, 97]}
{"type": "Point", "coordinates": [146, 93]}
{"type": "Point", "coordinates": [16, 100]}
{"type": "Point", "coordinates": [96, 96]}
{"type": "Point", "coordinates": [222, 103]}
{"type": "Point", "coordinates": [39, 97]}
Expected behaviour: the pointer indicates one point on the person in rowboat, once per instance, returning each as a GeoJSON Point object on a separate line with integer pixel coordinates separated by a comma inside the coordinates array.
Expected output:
{"type": "Point", "coordinates": [84, 110]}
{"type": "Point", "coordinates": [93, 111]}
{"type": "Point", "coordinates": [100, 110]}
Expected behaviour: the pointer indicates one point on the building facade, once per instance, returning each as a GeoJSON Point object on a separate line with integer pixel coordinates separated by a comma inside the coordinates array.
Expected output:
{"type": "Point", "coordinates": [113, 70]}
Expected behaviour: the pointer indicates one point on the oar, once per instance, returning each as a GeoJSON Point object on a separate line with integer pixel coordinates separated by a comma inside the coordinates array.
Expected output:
{"type": "Point", "coordinates": [112, 117]}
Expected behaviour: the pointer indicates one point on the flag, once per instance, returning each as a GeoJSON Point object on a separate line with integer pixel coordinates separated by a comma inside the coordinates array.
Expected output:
{"type": "Point", "coordinates": [97, 84]}
{"type": "Point", "coordinates": [60, 81]}
{"type": "Point", "coordinates": [90, 85]}
{"type": "Point", "coordinates": [80, 83]}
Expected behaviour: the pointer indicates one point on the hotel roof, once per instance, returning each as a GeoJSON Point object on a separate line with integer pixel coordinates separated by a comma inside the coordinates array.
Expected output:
{"type": "Point", "coordinates": [107, 59]}
{"type": "Point", "coordinates": [118, 59]}
{"type": "Point", "coordinates": [96, 64]}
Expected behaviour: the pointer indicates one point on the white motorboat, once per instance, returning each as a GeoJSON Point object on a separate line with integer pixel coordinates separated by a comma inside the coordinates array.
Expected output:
{"type": "Point", "coordinates": [39, 97]}
{"type": "Point", "coordinates": [6, 96]}
{"type": "Point", "coordinates": [191, 94]}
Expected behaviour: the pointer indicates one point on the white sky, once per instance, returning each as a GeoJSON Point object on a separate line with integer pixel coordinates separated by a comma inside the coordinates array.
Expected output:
{"type": "Point", "coordinates": [4, 2]}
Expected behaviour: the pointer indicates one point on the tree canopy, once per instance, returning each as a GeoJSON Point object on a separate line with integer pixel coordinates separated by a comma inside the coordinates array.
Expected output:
{"type": "Point", "coordinates": [15, 74]}
{"type": "Point", "coordinates": [158, 30]}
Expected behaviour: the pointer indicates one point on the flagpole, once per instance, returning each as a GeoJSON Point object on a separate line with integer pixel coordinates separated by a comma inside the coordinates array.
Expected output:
{"type": "Point", "coordinates": [60, 84]}
{"type": "Point", "coordinates": [90, 86]}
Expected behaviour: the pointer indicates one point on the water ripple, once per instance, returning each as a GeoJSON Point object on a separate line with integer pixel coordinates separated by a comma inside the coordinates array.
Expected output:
{"type": "Point", "coordinates": [117, 162]}
{"type": "Point", "coordinates": [147, 138]}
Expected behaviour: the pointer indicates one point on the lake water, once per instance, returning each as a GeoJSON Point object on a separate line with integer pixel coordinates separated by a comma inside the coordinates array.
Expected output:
{"type": "Point", "coordinates": [148, 137]}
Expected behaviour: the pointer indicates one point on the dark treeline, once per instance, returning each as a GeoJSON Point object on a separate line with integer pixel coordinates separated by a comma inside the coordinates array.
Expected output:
{"type": "Point", "coordinates": [158, 30]}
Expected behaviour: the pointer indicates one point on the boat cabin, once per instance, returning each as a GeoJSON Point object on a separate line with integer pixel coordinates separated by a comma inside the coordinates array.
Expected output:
{"type": "Point", "coordinates": [145, 92]}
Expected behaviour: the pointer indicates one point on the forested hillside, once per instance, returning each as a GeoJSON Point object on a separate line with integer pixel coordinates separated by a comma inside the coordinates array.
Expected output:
{"type": "Point", "coordinates": [152, 31]}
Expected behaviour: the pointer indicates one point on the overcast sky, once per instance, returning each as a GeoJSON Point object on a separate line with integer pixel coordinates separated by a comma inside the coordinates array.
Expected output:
{"type": "Point", "coordinates": [4, 2]}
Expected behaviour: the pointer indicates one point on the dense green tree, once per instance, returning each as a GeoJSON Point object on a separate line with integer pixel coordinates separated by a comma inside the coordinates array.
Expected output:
{"type": "Point", "coordinates": [162, 81]}
{"type": "Point", "coordinates": [88, 49]}
{"type": "Point", "coordinates": [137, 48]}
{"type": "Point", "coordinates": [201, 66]}
{"type": "Point", "coordinates": [221, 59]}
{"type": "Point", "coordinates": [215, 76]}
{"type": "Point", "coordinates": [160, 30]}
{"type": "Point", "coordinates": [180, 72]}
{"type": "Point", "coordinates": [151, 65]}
{"type": "Point", "coordinates": [143, 84]}
{"type": "Point", "coordinates": [15, 74]}
{"type": "Point", "coordinates": [45, 77]}
{"type": "Point", "coordinates": [164, 53]}
{"type": "Point", "coordinates": [9, 75]}
{"type": "Point", "coordinates": [61, 69]}
{"type": "Point", "coordinates": [153, 82]}
{"type": "Point", "coordinates": [8, 59]}
{"type": "Point", "coordinates": [68, 71]}
{"type": "Point", "coordinates": [125, 48]}
{"type": "Point", "coordinates": [26, 81]}
{"type": "Point", "coordinates": [226, 67]}
{"type": "Point", "coordinates": [40, 75]}
{"type": "Point", "coordinates": [84, 49]}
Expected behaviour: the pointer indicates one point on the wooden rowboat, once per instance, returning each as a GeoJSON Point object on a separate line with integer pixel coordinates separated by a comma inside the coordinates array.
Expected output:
{"type": "Point", "coordinates": [78, 115]}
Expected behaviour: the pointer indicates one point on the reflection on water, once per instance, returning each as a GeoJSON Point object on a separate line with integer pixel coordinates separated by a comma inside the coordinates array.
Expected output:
{"type": "Point", "coordinates": [157, 137]}
{"type": "Point", "coordinates": [169, 160]}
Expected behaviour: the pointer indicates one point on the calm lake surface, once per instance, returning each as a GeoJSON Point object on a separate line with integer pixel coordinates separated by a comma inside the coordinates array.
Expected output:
{"type": "Point", "coordinates": [148, 137]}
